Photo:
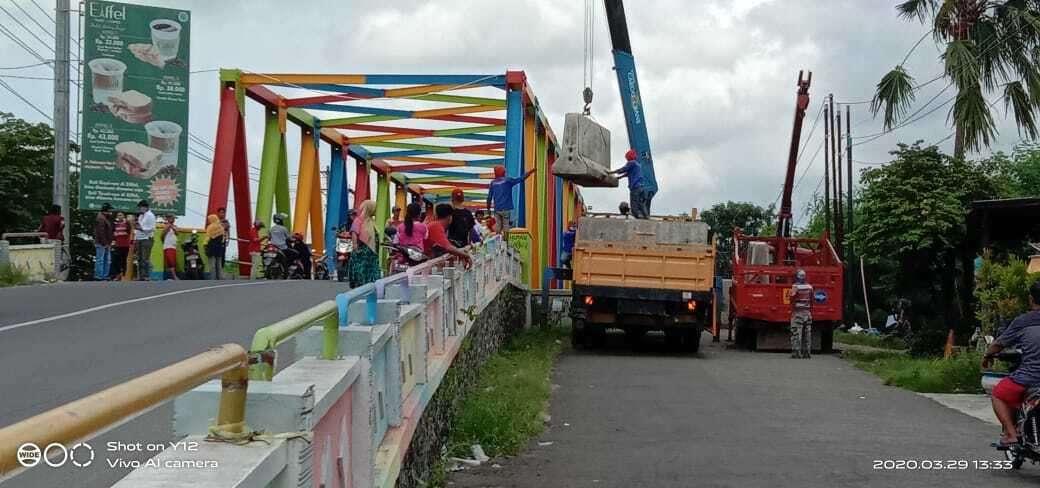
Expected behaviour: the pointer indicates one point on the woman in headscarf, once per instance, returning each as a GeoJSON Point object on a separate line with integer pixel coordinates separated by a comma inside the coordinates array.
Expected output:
{"type": "Point", "coordinates": [363, 266]}
{"type": "Point", "coordinates": [215, 246]}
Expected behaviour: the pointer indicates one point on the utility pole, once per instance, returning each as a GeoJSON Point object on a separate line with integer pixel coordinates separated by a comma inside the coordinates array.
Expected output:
{"type": "Point", "coordinates": [61, 115]}
{"type": "Point", "coordinates": [833, 175]}
{"type": "Point", "coordinates": [840, 216]}
{"type": "Point", "coordinates": [826, 170]}
{"type": "Point", "coordinates": [850, 256]}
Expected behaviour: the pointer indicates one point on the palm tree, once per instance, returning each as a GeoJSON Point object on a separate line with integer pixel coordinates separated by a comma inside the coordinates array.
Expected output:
{"type": "Point", "coordinates": [990, 45]}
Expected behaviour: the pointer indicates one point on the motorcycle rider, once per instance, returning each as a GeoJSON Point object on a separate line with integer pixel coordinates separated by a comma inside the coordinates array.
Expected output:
{"type": "Point", "coordinates": [300, 250]}
{"type": "Point", "coordinates": [1007, 396]}
{"type": "Point", "coordinates": [279, 235]}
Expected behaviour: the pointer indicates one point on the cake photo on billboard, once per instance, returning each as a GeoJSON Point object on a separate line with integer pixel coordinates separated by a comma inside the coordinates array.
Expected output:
{"type": "Point", "coordinates": [131, 106]}
{"type": "Point", "coordinates": [138, 160]}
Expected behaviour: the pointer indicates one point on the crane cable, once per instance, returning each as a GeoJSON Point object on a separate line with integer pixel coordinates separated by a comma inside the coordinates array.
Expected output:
{"type": "Point", "coordinates": [589, 60]}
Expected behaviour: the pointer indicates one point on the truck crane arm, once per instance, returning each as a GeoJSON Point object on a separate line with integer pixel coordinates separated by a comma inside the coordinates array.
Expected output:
{"type": "Point", "coordinates": [628, 84]}
{"type": "Point", "coordinates": [784, 224]}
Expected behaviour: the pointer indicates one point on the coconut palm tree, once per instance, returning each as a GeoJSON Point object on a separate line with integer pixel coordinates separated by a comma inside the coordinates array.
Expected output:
{"type": "Point", "coordinates": [990, 45]}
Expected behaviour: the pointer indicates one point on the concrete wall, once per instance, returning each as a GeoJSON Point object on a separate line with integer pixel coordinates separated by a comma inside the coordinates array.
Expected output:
{"type": "Point", "coordinates": [499, 321]}
{"type": "Point", "coordinates": [39, 261]}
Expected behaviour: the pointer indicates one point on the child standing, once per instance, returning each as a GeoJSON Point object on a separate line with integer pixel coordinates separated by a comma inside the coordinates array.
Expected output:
{"type": "Point", "coordinates": [169, 239]}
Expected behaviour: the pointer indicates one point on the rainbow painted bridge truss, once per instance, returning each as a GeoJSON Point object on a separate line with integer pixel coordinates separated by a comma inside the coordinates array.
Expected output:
{"type": "Point", "coordinates": [423, 135]}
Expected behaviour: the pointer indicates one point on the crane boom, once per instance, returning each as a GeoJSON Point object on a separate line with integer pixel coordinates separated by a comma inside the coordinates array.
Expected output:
{"type": "Point", "coordinates": [783, 226]}
{"type": "Point", "coordinates": [628, 84]}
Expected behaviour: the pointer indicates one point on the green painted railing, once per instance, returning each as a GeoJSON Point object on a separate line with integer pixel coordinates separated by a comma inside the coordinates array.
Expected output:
{"type": "Point", "coordinates": [266, 340]}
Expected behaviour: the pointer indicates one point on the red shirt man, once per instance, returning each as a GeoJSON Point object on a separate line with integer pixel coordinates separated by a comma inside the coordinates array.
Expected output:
{"type": "Point", "coordinates": [437, 235]}
{"type": "Point", "coordinates": [54, 224]}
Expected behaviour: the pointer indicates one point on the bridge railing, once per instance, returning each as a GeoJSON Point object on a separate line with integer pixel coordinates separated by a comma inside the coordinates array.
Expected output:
{"type": "Point", "coordinates": [78, 420]}
{"type": "Point", "coordinates": [367, 364]}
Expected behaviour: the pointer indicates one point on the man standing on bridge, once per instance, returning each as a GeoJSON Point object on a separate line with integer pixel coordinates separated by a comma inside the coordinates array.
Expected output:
{"type": "Point", "coordinates": [500, 191]}
{"type": "Point", "coordinates": [801, 297]}
{"type": "Point", "coordinates": [636, 192]}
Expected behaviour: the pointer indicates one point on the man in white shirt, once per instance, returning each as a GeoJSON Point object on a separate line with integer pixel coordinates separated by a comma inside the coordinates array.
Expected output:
{"type": "Point", "coordinates": [144, 232]}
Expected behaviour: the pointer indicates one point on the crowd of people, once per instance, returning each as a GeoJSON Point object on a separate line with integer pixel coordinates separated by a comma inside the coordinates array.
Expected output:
{"type": "Point", "coordinates": [445, 228]}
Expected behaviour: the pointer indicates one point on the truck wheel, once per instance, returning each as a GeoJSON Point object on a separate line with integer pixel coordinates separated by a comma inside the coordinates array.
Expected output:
{"type": "Point", "coordinates": [595, 337]}
{"type": "Point", "coordinates": [827, 340]}
{"type": "Point", "coordinates": [692, 341]}
{"type": "Point", "coordinates": [577, 333]}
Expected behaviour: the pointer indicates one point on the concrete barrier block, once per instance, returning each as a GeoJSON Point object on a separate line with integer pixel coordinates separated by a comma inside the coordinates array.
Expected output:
{"type": "Point", "coordinates": [414, 293]}
{"type": "Point", "coordinates": [214, 465]}
{"type": "Point", "coordinates": [339, 387]}
{"type": "Point", "coordinates": [386, 312]}
{"type": "Point", "coordinates": [271, 407]}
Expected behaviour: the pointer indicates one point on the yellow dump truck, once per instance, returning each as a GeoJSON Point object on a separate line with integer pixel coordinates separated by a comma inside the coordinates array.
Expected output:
{"type": "Point", "coordinates": [642, 275]}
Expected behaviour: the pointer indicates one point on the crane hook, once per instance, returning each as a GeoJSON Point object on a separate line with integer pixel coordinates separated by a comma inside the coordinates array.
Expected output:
{"type": "Point", "coordinates": [587, 95]}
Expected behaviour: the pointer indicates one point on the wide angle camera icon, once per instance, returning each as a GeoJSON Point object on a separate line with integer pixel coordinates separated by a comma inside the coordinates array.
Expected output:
{"type": "Point", "coordinates": [56, 455]}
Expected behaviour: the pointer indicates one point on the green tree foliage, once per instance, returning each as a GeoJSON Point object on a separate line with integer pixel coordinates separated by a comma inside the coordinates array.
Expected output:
{"type": "Point", "coordinates": [1002, 290]}
{"type": "Point", "coordinates": [724, 218]}
{"type": "Point", "coordinates": [26, 173]}
{"type": "Point", "coordinates": [26, 179]}
{"type": "Point", "coordinates": [988, 46]}
{"type": "Point", "coordinates": [913, 226]}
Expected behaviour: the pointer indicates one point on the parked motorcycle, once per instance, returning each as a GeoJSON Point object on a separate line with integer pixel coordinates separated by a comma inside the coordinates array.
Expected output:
{"type": "Point", "coordinates": [344, 246]}
{"type": "Point", "coordinates": [192, 259]}
{"type": "Point", "coordinates": [320, 266]}
{"type": "Point", "coordinates": [1027, 418]}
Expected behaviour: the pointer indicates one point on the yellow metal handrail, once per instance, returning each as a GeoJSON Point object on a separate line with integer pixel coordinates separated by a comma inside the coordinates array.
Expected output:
{"type": "Point", "coordinates": [82, 418]}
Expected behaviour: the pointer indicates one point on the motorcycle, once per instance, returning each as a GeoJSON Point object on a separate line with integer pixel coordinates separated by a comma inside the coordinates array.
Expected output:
{"type": "Point", "coordinates": [321, 267]}
{"type": "Point", "coordinates": [274, 263]}
{"type": "Point", "coordinates": [192, 259]}
{"type": "Point", "coordinates": [344, 246]}
{"type": "Point", "coordinates": [1027, 417]}
{"type": "Point", "coordinates": [402, 257]}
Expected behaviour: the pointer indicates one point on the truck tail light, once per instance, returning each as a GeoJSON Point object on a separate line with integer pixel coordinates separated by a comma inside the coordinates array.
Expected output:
{"type": "Point", "coordinates": [588, 300]}
{"type": "Point", "coordinates": [691, 305]}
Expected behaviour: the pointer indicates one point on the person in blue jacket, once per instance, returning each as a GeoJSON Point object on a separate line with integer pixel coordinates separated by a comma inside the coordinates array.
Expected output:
{"type": "Point", "coordinates": [636, 190]}
{"type": "Point", "coordinates": [500, 192]}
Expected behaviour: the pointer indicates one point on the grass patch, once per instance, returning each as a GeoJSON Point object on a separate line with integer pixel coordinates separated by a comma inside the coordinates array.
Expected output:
{"type": "Point", "coordinates": [504, 409]}
{"type": "Point", "coordinates": [12, 276]}
{"type": "Point", "coordinates": [959, 374]}
{"type": "Point", "coordinates": [869, 340]}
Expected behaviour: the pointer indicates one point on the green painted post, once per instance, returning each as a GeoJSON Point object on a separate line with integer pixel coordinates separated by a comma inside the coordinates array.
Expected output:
{"type": "Point", "coordinates": [282, 188]}
{"type": "Point", "coordinates": [330, 337]}
{"type": "Point", "coordinates": [382, 212]}
{"type": "Point", "coordinates": [268, 169]}
{"type": "Point", "coordinates": [541, 184]}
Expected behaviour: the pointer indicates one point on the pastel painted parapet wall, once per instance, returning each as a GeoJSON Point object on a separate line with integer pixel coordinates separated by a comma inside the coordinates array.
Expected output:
{"type": "Point", "coordinates": [345, 421]}
{"type": "Point", "coordinates": [40, 261]}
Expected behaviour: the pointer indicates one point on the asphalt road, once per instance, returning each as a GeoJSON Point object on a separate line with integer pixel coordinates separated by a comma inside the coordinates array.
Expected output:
{"type": "Point", "coordinates": [61, 342]}
{"type": "Point", "coordinates": [739, 419]}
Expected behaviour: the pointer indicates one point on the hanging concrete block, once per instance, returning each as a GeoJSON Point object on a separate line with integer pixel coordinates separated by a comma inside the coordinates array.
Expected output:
{"type": "Point", "coordinates": [585, 153]}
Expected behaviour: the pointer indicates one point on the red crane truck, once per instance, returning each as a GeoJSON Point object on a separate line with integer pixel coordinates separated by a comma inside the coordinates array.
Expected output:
{"type": "Point", "coordinates": [764, 268]}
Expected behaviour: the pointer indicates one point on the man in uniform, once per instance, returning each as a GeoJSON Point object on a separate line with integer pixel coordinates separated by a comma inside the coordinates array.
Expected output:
{"type": "Point", "coordinates": [801, 297]}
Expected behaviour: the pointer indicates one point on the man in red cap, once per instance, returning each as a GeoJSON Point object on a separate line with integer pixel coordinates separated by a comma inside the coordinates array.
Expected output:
{"type": "Point", "coordinates": [501, 193]}
{"type": "Point", "coordinates": [636, 193]}
{"type": "Point", "coordinates": [462, 221]}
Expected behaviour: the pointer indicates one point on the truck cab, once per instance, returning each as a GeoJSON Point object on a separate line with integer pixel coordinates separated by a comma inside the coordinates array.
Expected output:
{"type": "Point", "coordinates": [640, 275]}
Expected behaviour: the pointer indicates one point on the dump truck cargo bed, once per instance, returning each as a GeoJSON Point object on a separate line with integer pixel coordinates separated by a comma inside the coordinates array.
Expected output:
{"type": "Point", "coordinates": [640, 275]}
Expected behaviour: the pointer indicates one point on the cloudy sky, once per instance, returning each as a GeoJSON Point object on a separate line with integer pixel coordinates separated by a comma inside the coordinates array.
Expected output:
{"type": "Point", "coordinates": [717, 76]}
